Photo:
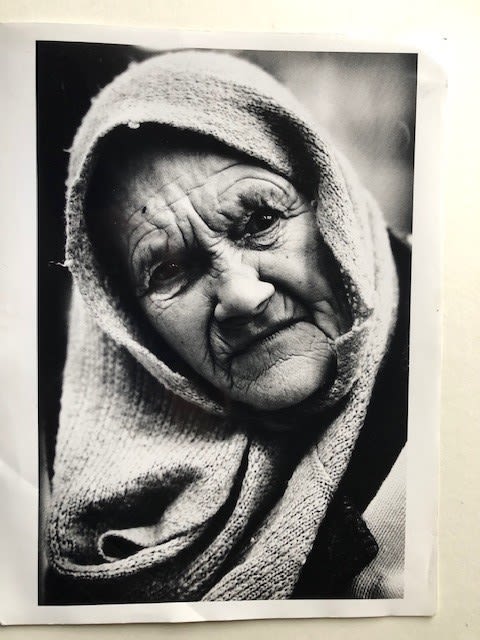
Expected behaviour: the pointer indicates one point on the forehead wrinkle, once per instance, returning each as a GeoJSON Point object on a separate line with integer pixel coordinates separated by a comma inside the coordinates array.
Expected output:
{"type": "Point", "coordinates": [156, 215]}
{"type": "Point", "coordinates": [168, 216]}
{"type": "Point", "coordinates": [170, 205]}
{"type": "Point", "coordinates": [196, 222]}
{"type": "Point", "coordinates": [147, 181]}
{"type": "Point", "coordinates": [160, 209]}
{"type": "Point", "coordinates": [178, 183]}
{"type": "Point", "coordinates": [181, 222]}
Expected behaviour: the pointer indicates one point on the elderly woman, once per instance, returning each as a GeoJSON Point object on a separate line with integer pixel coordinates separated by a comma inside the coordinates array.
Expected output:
{"type": "Point", "coordinates": [234, 392]}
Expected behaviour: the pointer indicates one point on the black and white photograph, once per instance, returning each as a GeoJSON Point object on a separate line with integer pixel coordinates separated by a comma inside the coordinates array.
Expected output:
{"type": "Point", "coordinates": [234, 397]}
{"type": "Point", "coordinates": [224, 328]}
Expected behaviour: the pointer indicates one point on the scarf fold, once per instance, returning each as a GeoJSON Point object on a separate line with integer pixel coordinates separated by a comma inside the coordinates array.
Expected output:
{"type": "Point", "coordinates": [156, 494]}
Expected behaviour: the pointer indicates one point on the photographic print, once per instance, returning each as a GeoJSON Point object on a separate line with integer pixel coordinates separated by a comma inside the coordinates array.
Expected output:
{"type": "Point", "coordinates": [224, 326]}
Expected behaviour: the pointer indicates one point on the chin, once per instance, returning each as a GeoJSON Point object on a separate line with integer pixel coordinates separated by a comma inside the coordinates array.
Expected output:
{"type": "Point", "coordinates": [287, 383]}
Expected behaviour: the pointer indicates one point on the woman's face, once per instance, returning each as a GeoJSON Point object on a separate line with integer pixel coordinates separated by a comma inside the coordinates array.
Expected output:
{"type": "Point", "coordinates": [228, 265]}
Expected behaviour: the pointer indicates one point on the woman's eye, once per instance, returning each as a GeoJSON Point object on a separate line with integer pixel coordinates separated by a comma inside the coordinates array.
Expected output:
{"type": "Point", "coordinates": [165, 272]}
{"type": "Point", "coordinates": [261, 220]}
{"type": "Point", "coordinates": [170, 277]}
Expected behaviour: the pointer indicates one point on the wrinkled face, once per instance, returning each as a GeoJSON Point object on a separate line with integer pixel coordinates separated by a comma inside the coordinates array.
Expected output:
{"type": "Point", "coordinates": [228, 266]}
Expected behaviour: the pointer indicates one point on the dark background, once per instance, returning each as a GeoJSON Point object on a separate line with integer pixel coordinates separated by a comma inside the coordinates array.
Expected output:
{"type": "Point", "coordinates": [365, 101]}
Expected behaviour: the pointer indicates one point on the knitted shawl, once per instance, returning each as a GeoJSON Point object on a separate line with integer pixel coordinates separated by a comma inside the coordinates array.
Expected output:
{"type": "Point", "coordinates": [157, 494]}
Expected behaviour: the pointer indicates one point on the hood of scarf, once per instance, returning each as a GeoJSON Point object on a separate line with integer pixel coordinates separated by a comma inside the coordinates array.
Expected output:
{"type": "Point", "coordinates": [156, 495]}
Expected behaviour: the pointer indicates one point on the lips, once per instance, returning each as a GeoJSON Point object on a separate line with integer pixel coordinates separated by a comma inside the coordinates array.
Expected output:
{"type": "Point", "coordinates": [249, 343]}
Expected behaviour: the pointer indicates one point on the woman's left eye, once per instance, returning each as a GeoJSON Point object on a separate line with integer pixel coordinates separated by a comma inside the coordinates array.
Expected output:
{"type": "Point", "coordinates": [260, 221]}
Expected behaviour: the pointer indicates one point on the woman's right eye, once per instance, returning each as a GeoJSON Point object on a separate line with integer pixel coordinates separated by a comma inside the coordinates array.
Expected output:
{"type": "Point", "coordinates": [170, 277]}
{"type": "Point", "coordinates": [164, 272]}
{"type": "Point", "coordinates": [164, 279]}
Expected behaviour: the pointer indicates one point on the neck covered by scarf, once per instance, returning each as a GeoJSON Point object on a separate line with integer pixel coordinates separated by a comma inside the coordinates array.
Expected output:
{"type": "Point", "coordinates": [157, 495]}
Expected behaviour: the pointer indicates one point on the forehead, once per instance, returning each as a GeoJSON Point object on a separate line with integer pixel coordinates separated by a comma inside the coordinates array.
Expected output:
{"type": "Point", "coordinates": [209, 178]}
{"type": "Point", "coordinates": [172, 171]}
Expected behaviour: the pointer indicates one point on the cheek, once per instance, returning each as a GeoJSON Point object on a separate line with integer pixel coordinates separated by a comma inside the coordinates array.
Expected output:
{"type": "Point", "coordinates": [303, 270]}
{"type": "Point", "coordinates": [298, 267]}
{"type": "Point", "coordinates": [183, 324]}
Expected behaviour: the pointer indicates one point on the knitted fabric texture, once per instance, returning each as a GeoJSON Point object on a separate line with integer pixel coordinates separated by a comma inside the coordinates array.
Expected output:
{"type": "Point", "coordinates": [156, 494]}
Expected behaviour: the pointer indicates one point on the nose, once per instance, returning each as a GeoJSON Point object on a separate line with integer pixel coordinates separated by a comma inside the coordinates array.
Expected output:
{"type": "Point", "coordinates": [241, 294]}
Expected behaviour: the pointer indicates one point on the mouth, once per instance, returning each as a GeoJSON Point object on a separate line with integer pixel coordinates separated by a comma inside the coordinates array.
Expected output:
{"type": "Point", "coordinates": [264, 336]}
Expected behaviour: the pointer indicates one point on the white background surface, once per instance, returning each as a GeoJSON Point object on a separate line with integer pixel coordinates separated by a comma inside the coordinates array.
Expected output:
{"type": "Point", "coordinates": [459, 604]}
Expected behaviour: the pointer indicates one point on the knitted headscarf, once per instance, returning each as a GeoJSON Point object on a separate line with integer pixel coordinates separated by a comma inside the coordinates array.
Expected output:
{"type": "Point", "coordinates": [157, 494]}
